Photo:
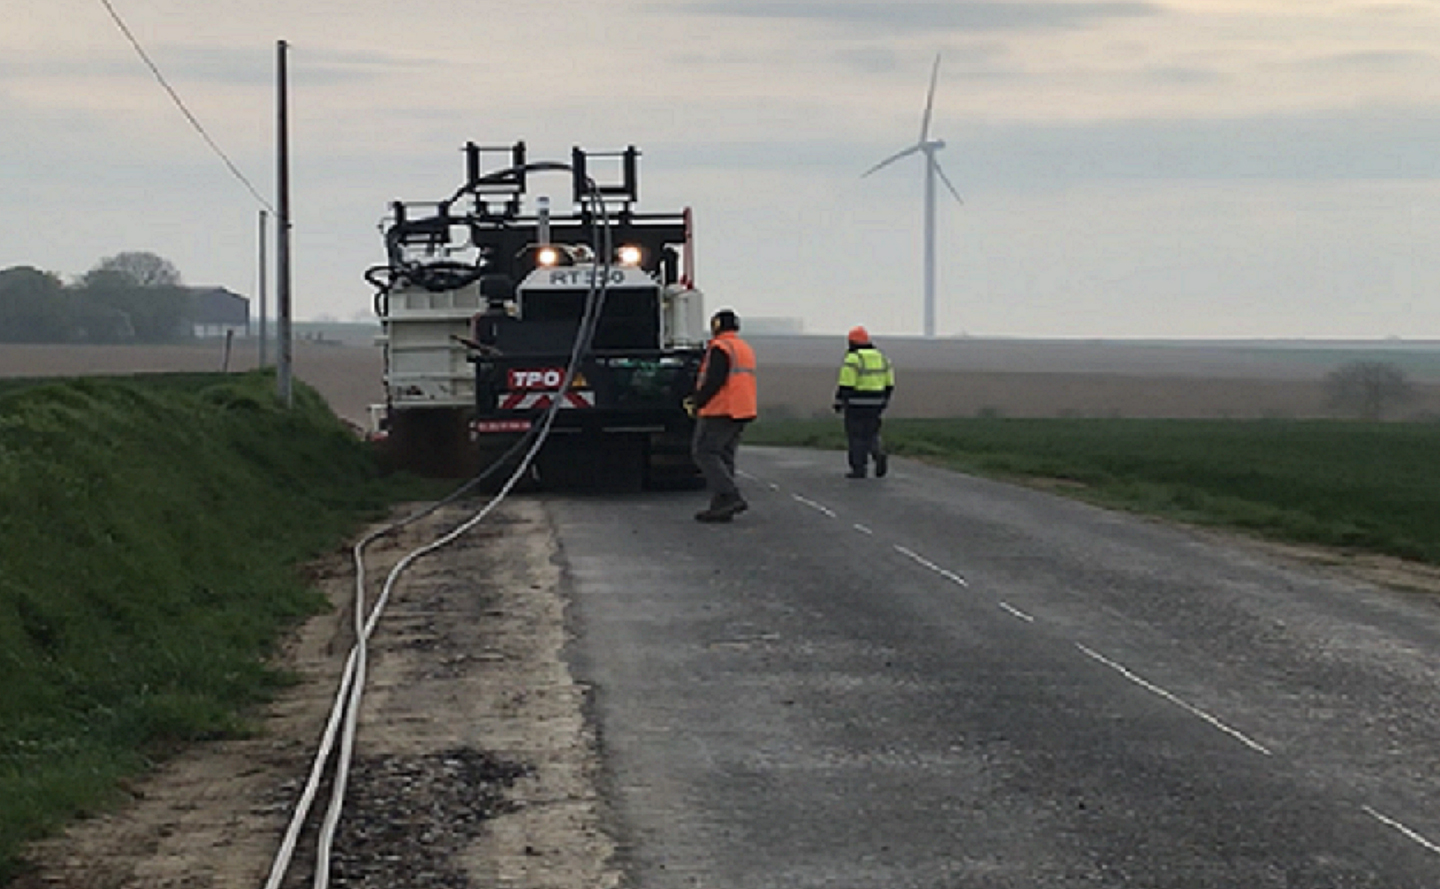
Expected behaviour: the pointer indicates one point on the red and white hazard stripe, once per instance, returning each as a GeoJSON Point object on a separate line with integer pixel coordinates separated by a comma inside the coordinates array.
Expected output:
{"type": "Point", "coordinates": [523, 400]}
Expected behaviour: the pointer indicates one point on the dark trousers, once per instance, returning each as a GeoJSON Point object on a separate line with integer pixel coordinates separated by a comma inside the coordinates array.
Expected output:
{"type": "Point", "coordinates": [713, 447]}
{"type": "Point", "coordinates": [862, 429]}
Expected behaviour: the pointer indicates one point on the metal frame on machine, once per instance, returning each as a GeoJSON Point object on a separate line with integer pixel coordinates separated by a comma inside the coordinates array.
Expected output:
{"type": "Point", "coordinates": [506, 240]}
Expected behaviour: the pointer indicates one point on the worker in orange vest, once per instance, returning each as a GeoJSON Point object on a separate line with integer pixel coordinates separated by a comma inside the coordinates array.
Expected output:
{"type": "Point", "coordinates": [723, 403]}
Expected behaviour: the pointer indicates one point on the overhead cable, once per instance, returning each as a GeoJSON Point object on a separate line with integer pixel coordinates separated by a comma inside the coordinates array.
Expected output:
{"type": "Point", "coordinates": [180, 103]}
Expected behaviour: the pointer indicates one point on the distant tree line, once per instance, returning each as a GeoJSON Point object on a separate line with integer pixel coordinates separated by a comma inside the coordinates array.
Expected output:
{"type": "Point", "coordinates": [130, 297]}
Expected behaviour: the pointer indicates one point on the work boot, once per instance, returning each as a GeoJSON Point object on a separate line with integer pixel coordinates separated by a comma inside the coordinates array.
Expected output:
{"type": "Point", "coordinates": [855, 473]}
{"type": "Point", "coordinates": [730, 505]}
{"type": "Point", "coordinates": [722, 508]}
{"type": "Point", "coordinates": [882, 465]}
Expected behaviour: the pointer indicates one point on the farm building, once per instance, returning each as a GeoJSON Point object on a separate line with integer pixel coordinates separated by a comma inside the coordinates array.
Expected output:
{"type": "Point", "coordinates": [216, 311]}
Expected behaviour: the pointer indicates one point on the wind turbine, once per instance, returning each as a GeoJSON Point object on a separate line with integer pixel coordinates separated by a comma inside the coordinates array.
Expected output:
{"type": "Point", "coordinates": [928, 147]}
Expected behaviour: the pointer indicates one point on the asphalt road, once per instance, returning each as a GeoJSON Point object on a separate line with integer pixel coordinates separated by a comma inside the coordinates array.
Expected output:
{"type": "Point", "coordinates": [936, 681]}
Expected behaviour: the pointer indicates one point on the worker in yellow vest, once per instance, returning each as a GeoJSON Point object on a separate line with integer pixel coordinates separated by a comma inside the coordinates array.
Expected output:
{"type": "Point", "coordinates": [724, 402]}
{"type": "Point", "coordinates": [867, 380]}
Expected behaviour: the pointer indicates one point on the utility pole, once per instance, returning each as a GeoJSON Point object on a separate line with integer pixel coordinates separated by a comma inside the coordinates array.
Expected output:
{"type": "Point", "coordinates": [264, 302]}
{"type": "Point", "coordinates": [285, 344]}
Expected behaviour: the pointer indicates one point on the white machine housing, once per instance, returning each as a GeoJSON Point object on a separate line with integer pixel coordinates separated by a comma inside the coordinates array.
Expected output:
{"type": "Point", "coordinates": [425, 363]}
{"type": "Point", "coordinates": [425, 356]}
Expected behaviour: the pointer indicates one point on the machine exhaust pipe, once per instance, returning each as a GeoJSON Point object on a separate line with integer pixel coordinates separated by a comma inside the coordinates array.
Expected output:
{"type": "Point", "coordinates": [542, 220]}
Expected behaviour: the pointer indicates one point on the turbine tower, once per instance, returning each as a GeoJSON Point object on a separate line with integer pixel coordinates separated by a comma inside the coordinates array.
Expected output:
{"type": "Point", "coordinates": [928, 147]}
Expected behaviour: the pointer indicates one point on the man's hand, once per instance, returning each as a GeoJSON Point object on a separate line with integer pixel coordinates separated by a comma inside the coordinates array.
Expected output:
{"type": "Point", "coordinates": [838, 407]}
{"type": "Point", "coordinates": [689, 404]}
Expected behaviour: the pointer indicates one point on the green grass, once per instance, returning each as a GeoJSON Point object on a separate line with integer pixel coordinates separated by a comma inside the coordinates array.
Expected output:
{"type": "Point", "coordinates": [1368, 486]}
{"type": "Point", "coordinates": [152, 531]}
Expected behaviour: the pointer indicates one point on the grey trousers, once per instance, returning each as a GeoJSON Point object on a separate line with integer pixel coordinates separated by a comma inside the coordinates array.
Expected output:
{"type": "Point", "coordinates": [713, 447]}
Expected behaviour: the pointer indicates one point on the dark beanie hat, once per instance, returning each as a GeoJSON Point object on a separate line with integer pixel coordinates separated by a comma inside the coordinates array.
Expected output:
{"type": "Point", "coordinates": [727, 319]}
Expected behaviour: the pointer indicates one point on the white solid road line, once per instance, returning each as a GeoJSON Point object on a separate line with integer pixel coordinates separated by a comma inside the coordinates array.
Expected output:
{"type": "Point", "coordinates": [1152, 687]}
{"type": "Point", "coordinates": [1409, 834]}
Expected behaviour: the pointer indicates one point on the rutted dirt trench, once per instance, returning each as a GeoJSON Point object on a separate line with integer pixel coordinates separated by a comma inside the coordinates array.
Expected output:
{"type": "Point", "coordinates": [475, 766]}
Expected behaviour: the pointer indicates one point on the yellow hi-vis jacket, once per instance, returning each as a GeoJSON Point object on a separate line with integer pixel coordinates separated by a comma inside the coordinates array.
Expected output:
{"type": "Point", "coordinates": [866, 378]}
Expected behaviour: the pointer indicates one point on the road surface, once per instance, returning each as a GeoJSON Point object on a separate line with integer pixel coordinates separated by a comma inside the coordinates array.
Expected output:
{"type": "Point", "coordinates": [937, 681]}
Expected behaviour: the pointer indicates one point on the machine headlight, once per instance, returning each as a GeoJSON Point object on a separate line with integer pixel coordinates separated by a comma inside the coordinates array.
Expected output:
{"type": "Point", "coordinates": [629, 254]}
{"type": "Point", "coordinates": [547, 256]}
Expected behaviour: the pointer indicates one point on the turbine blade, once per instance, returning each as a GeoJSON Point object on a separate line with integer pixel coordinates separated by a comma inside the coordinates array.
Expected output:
{"type": "Point", "coordinates": [891, 159]}
{"type": "Point", "coordinates": [930, 100]}
{"type": "Point", "coordinates": [946, 179]}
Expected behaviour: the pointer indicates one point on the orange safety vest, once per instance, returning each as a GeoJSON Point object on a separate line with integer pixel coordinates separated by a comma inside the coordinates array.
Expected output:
{"type": "Point", "coordinates": [737, 398]}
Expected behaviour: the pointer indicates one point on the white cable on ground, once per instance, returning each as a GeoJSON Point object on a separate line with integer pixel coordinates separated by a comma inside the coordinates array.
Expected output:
{"type": "Point", "coordinates": [346, 707]}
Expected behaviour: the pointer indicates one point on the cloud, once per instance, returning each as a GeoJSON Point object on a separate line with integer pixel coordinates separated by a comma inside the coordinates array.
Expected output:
{"type": "Point", "coordinates": [1375, 60]}
{"type": "Point", "coordinates": [984, 15]}
{"type": "Point", "coordinates": [1371, 144]}
{"type": "Point", "coordinates": [216, 65]}
{"type": "Point", "coordinates": [307, 65]}
{"type": "Point", "coordinates": [869, 59]}
{"type": "Point", "coordinates": [1176, 75]}
{"type": "Point", "coordinates": [969, 59]}
{"type": "Point", "coordinates": [14, 69]}
{"type": "Point", "coordinates": [1328, 146]}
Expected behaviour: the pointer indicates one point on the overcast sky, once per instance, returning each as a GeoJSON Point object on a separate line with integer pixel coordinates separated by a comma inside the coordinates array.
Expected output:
{"type": "Point", "coordinates": [1130, 168]}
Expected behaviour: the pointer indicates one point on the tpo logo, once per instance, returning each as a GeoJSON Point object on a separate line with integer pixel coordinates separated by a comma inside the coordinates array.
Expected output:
{"type": "Point", "coordinates": [547, 378]}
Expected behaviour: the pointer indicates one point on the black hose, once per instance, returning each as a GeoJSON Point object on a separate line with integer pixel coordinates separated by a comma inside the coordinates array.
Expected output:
{"type": "Point", "coordinates": [443, 275]}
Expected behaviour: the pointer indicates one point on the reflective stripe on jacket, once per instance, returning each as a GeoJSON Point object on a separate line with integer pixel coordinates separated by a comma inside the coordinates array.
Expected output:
{"type": "Point", "coordinates": [868, 376]}
{"type": "Point", "coordinates": [736, 399]}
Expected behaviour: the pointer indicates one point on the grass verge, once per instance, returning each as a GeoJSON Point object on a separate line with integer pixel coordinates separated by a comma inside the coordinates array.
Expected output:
{"type": "Point", "coordinates": [152, 529]}
{"type": "Point", "coordinates": [1373, 487]}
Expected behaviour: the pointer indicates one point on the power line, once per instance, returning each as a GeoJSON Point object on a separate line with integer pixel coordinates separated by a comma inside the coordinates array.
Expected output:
{"type": "Point", "coordinates": [180, 103]}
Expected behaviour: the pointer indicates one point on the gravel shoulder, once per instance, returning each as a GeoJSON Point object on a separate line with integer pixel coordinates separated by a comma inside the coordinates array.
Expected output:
{"type": "Point", "coordinates": [475, 766]}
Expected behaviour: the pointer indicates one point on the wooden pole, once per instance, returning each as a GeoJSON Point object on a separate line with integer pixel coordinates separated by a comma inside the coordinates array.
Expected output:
{"type": "Point", "coordinates": [285, 344]}
{"type": "Point", "coordinates": [229, 341]}
{"type": "Point", "coordinates": [264, 290]}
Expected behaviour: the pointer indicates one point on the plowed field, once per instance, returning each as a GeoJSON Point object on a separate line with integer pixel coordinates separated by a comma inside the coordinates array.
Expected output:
{"type": "Point", "coordinates": [935, 380]}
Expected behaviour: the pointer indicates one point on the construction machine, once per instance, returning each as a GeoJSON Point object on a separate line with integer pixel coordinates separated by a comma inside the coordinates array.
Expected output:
{"type": "Point", "coordinates": [496, 311]}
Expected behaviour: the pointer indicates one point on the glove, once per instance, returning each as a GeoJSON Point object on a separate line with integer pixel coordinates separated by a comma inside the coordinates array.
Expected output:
{"type": "Point", "coordinates": [689, 404]}
{"type": "Point", "coordinates": [838, 407]}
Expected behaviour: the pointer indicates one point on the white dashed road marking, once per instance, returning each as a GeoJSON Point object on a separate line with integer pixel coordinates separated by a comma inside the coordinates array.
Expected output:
{"type": "Point", "coordinates": [818, 507]}
{"type": "Point", "coordinates": [1017, 612]}
{"type": "Point", "coordinates": [1393, 824]}
{"type": "Point", "coordinates": [1094, 655]}
{"type": "Point", "coordinates": [1409, 834]}
{"type": "Point", "coordinates": [1152, 687]}
{"type": "Point", "coordinates": [921, 560]}
{"type": "Point", "coordinates": [757, 479]}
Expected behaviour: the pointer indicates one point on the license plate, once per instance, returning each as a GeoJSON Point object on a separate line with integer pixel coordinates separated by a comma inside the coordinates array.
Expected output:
{"type": "Point", "coordinates": [490, 426]}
